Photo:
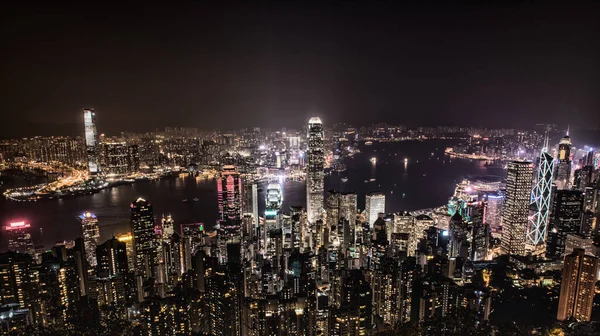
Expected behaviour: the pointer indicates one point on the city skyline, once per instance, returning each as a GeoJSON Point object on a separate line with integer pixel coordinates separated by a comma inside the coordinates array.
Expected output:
{"type": "Point", "coordinates": [300, 169]}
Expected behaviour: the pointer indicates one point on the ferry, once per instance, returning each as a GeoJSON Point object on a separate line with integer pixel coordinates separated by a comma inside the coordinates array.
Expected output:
{"type": "Point", "coordinates": [368, 143]}
{"type": "Point", "coordinates": [344, 179]}
{"type": "Point", "coordinates": [373, 160]}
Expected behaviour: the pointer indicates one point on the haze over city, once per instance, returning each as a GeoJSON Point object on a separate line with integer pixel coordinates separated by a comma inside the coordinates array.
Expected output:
{"type": "Point", "coordinates": [498, 64]}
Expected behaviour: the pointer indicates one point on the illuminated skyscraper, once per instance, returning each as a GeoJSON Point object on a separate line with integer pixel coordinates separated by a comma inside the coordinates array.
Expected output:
{"type": "Point", "coordinates": [578, 286]}
{"type": "Point", "coordinates": [112, 258]}
{"type": "Point", "coordinates": [374, 205]}
{"type": "Point", "coordinates": [91, 236]}
{"type": "Point", "coordinates": [493, 216]}
{"type": "Point", "coordinates": [563, 167]}
{"type": "Point", "coordinates": [229, 194]}
{"type": "Point", "coordinates": [540, 199]}
{"type": "Point", "coordinates": [229, 198]}
{"type": "Point", "coordinates": [91, 140]}
{"type": "Point", "coordinates": [116, 157]}
{"type": "Point", "coordinates": [567, 208]}
{"type": "Point", "coordinates": [144, 237]}
{"type": "Point", "coordinates": [128, 240]}
{"type": "Point", "coordinates": [315, 173]}
{"type": "Point", "coordinates": [19, 238]}
{"type": "Point", "coordinates": [516, 207]}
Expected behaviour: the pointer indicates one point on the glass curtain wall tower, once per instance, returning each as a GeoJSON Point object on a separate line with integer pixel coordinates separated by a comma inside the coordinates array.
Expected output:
{"type": "Point", "coordinates": [315, 173]}
{"type": "Point", "coordinates": [540, 199]}
{"type": "Point", "coordinates": [91, 140]}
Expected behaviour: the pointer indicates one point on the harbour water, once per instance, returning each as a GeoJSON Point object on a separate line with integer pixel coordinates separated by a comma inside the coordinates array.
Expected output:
{"type": "Point", "coordinates": [413, 175]}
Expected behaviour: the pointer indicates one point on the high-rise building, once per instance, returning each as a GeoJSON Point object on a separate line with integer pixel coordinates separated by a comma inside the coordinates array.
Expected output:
{"type": "Point", "coordinates": [315, 172]}
{"type": "Point", "coordinates": [91, 140]}
{"type": "Point", "coordinates": [578, 286]}
{"type": "Point", "coordinates": [540, 199]}
{"type": "Point", "coordinates": [127, 238]}
{"type": "Point", "coordinates": [19, 238]}
{"type": "Point", "coordinates": [374, 205]}
{"type": "Point", "coordinates": [144, 237]}
{"type": "Point", "coordinates": [116, 158]}
{"type": "Point", "coordinates": [563, 167]}
{"type": "Point", "coordinates": [516, 207]}
{"type": "Point", "coordinates": [16, 279]}
{"type": "Point", "coordinates": [91, 236]}
{"type": "Point", "coordinates": [229, 194]}
{"type": "Point", "coordinates": [493, 216]}
{"type": "Point", "coordinates": [229, 198]}
{"type": "Point", "coordinates": [112, 258]}
{"type": "Point", "coordinates": [133, 158]}
{"type": "Point", "coordinates": [567, 207]}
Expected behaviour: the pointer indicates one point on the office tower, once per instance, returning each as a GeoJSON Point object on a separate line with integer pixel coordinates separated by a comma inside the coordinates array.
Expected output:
{"type": "Point", "coordinates": [566, 214]}
{"type": "Point", "coordinates": [480, 231]}
{"type": "Point", "coordinates": [563, 167]}
{"type": "Point", "coordinates": [127, 238]}
{"type": "Point", "coordinates": [112, 258]}
{"type": "Point", "coordinates": [91, 236]}
{"type": "Point", "coordinates": [144, 237]}
{"type": "Point", "coordinates": [374, 205]}
{"type": "Point", "coordinates": [229, 199]}
{"type": "Point", "coordinates": [493, 216]}
{"type": "Point", "coordinates": [540, 199]}
{"type": "Point", "coordinates": [19, 238]}
{"type": "Point", "coordinates": [167, 226]}
{"type": "Point", "coordinates": [354, 314]}
{"type": "Point", "coordinates": [516, 207]}
{"type": "Point", "coordinates": [133, 158]}
{"type": "Point", "coordinates": [578, 287]}
{"type": "Point", "coordinates": [250, 204]}
{"type": "Point", "coordinates": [229, 194]}
{"type": "Point", "coordinates": [17, 283]}
{"type": "Point", "coordinates": [82, 269]}
{"type": "Point", "coordinates": [116, 158]}
{"type": "Point", "coordinates": [91, 141]}
{"type": "Point", "coordinates": [315, 172]}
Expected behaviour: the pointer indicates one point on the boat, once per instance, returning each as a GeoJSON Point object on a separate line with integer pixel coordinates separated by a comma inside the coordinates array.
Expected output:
{"type": "Point", "coordinates": [405, 160]}
{"type": "Point", "coordinates": [368, 143]}
{"type": "Point", "coordinates": [373, 160]}
{"type": "Point", "coordinates": [185, 200]}
{"type": "Point", "coordinates": [196, 199]}
{"type": "Point", "coordinates": [366, 181]}
{"type": "Point", "coordinates": [344, 179]}
{"type": "Point", "coordinates": [372, 180]}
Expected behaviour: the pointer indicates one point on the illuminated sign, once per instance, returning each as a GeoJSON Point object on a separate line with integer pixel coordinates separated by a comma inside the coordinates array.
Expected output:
{"type": "Point", "coordinates": [17, 225]}
{"type": "Point", "coordinates": [270, 212]}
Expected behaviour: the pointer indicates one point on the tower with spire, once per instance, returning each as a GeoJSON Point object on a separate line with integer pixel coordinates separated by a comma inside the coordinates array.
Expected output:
{"type": "Point", "coordinates": [563, 165]}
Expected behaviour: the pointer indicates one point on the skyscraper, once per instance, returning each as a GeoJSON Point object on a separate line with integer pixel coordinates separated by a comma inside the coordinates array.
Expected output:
{"type": "Point", "coordinates": [374, 205]}
{"type": "Point", "coordinates": [91, 140]}
{"type": "Point", "coordinates": [540, 199]}
{"type": "Point", "coordinates": [563, 167]}
{"type": "Point", "coordinates": [91, 236]}
{"type": "Point", "coordinates": [116, 156]}
{"type": "Point", "coordinates": [516, 207]}
{"type": "Point", "coordinates": [229, 194]}
{"type": "Point", "coordinates": [577, 287]}
{"type": "Point", "coordinates": [144, 237]}
{"type": "Point", "coordinates": [315, 173]}
{"type": "Point", "coordinates": [493, 216]}
{"type": "Point", "coordinates": [229, 198]}
{"type": "Point", "coordinates": [19, 238]}
{"type": "Point", "coordinates": [112, 258]}
{"type": "Point", "coordinates": [567, 207]}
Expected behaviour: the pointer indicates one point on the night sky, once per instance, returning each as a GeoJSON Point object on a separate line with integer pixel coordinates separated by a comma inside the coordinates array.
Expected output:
{"type": "Point", "coordinates": [505, 64]}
